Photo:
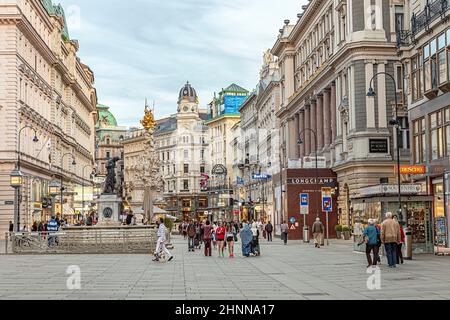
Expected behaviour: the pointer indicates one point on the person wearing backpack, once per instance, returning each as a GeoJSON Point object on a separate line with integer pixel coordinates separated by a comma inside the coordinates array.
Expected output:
{"type": "Point", "coordinates": [191, 232]}
{"type": "Point", "coordinates": [207, 238]}
{"type": "Point", "coordinates": [269, 231]}
{"type": "Point", "coordinates": [372, 239]}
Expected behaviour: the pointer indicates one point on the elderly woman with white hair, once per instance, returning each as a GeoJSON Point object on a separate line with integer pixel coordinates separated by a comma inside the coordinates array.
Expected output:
{"type": "Point", "coordinates": [372, 238]}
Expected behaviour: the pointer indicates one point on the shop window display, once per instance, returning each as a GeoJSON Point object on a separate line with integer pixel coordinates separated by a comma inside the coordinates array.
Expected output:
{"type": "Point", "coordinates": [419, 220]}
{"type": "Point", "coordinates": [440, 238]}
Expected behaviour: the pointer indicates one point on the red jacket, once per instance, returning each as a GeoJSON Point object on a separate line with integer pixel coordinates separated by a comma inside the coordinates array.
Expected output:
{"type": "Point", "coordinates": [402, 232]}
{"type": "Point", "coordinates": [220, 232]}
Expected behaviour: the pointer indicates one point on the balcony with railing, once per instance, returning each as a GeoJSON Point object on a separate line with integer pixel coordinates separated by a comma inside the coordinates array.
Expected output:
{"type": "Point", "coordinates": [433, 10]}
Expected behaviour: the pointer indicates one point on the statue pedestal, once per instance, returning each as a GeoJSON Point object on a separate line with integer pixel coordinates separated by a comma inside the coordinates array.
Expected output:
{"type": "Point", "coordinates": [109, 210]}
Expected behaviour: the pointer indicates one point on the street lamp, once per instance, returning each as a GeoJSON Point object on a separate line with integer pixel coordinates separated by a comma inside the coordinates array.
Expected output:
{"type": "Point", "coordinates": [54, 189]}
{"type": "Point", "coordinates": [395, 123]}
{"type": "Point", "coordinates": [16, 179]}
{"type": "Point", "coordinates": [82, 187]}
{"type": "Point", "coordinates": [61, 182]}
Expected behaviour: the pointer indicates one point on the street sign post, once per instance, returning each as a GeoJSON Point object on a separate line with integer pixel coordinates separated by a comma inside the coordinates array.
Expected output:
{"type": "Point", "coordinates": [327, 206]}
{"type": "Point", "coordinates": [304, 204]}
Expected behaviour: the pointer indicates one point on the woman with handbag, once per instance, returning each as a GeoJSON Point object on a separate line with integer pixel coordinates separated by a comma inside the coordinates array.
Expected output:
{"type": "Point", "coordinates": [373, 242]}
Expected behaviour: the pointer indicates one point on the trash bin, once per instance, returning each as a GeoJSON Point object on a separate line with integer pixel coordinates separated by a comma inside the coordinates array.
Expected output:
{"type": "Point", "coordinates": [408, 244]}
{"type": "Point", "coordinates": [306, 237]}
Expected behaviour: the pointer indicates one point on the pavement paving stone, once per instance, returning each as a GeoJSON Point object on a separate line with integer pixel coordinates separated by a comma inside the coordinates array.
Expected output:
{"type": "Point", "coordinates": [293, 272]}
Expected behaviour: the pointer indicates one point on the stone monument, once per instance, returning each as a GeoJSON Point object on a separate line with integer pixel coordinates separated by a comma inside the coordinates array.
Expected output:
{"type": "Point", "coordinates": [148, 168]}
{"type": "Point", "coordinates": [109, 203]}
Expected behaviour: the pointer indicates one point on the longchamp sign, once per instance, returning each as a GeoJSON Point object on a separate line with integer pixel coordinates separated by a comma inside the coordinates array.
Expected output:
{"type": "Point", "coordinates": [312, 181]}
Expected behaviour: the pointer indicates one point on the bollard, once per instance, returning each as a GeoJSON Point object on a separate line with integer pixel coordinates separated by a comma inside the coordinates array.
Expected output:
{"type": "Point", "coordinates": [306, 238]}
{"type": "Point", "coordinates": [408, 244]}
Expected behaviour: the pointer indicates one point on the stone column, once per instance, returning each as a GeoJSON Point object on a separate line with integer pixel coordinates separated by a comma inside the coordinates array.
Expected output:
{"type": "Point", "coordinates": [333, 113]}
{"type": "Point", "coordinates": [326, 118]}
{"type": "Point", "coordinates": [302, 127]}
{"type": "Point", "coordinates": [313, 114]}
{"type": "Point", "coordinates": [291, 141]}
{"type": "Point", "coordinates": [307, 135]}
{"type": "Point", "coordinates": [296, 135]}
{"type": "Point", "coordinates": [320, 124]}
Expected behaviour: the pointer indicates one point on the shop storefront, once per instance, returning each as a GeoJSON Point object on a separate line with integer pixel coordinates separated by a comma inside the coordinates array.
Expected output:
{"type": "Point", "coordinates": [375, 202]}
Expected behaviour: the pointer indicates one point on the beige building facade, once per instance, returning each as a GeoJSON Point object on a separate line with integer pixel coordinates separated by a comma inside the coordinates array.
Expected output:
{"type": "Point", "coordinates": [327, 60]}
{"type": "Point", "coordinates": [45, 91]}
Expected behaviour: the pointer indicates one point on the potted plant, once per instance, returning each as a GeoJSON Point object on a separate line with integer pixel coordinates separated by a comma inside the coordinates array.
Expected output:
{"type": "Point", "coordinates": [339, 231]}
{"type": "Point", "coordinates": [346, 232]}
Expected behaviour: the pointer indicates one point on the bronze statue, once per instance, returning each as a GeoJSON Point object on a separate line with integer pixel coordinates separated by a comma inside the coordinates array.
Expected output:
{"type": "Point", "coordinates": [110, 183]}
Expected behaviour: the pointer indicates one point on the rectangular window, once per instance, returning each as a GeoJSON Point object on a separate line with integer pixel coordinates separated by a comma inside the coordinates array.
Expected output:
{"type": "Point", "coordinates": [186, 154]}
{"type": "Point", "coordinates": [419, 141]}
{"type": "Point", "coordinates": [434, 72]}
{"type": "Point", "coordinates": [441, 41]}
{"type": "Point", "coordinates": [426, 51]}
{"type": "Point", "coordinates": [399, 74]}
{"type": "Point", "coordinates": [186, 168]}
{"type": "Point", "coordinates": [202, 169]}
{"type": "Point", "coordinates": [433, 46]}
{"type": "Point", "coordinates": [442, 61]}
{"type": "Point", "coordinates": [447, 138]}
{"type": "Point", "coordinates": [186, 185]}
{"type": "Point", "coordinates": [427, 75]}
{"type": "Point", "coordinates": [437, 135]}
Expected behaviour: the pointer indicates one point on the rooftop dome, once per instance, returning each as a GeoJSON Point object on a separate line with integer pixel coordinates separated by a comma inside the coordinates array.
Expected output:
{"type": "Point", "coordinates": [105, 117]}
{"type": "Point", "coordinates": [188, 92]}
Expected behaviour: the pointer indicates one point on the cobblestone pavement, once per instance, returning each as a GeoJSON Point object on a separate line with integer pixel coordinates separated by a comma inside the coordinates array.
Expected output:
{"type": "Point", "coordinates": [296, 271]}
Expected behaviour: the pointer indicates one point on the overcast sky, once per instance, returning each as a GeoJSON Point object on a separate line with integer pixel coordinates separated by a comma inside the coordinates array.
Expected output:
{"type": "Point", "coordinates": [150, 48]}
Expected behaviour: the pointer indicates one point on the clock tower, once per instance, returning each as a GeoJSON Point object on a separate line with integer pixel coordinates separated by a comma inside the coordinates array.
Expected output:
{"type": "Point", "coordinates": [188, 101]}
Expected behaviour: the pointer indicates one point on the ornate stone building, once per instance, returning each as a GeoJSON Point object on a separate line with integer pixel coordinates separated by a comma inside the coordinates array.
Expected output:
{"type": "Point", "coordinates": [327, 60]}
{"type": "Point", "coordinates": [181, 141]}
{"type": "Point", "coordinates": [424, 78]}
{"type": "Point", "coordinates": [45, 90]}
{"type": "Point", "coordinates": [223, 114]}
{"type": "Point", "coordinates": [259, 140]}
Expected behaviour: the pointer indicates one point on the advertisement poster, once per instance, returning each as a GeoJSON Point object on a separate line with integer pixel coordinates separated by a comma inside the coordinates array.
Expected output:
{"type": "Point", "coordinates": [441, 236]}
{"type": "Point", "coordinates": [232, 103]}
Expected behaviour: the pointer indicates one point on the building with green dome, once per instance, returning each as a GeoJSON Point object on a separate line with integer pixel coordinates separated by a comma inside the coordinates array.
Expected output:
{"type": "Point", "coordinates": [109, 137]}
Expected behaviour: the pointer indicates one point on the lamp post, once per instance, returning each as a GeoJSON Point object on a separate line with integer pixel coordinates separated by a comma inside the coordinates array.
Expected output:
{"type": "Point", "coordinates": [300, 142]}
{"type": "Point", "coordinates": [82, 188]}
{"type": "Point", "coordinates": [16, 178]}
{"type": "Point", "coordinates": [396, 123]}
{"type": "Point", "coordinates": [61, 182]}
{"type": "Point", "coordinates": [54, 189]}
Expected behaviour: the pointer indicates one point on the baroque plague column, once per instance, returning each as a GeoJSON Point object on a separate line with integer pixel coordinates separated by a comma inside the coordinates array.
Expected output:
{"type": "Point", "coordinates": [148, 167]}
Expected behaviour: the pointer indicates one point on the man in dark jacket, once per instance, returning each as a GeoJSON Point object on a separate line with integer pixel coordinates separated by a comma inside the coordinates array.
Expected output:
{"type": "Point", "coordinates": [318, 230]}
{"type": "Point", "coordinates": [269, 231]}
{"type": "Point", "coordinates": [11, 227]}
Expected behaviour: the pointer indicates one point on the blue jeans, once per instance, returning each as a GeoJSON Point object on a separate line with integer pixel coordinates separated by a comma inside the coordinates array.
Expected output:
{"type": "Point", "coordinates": [191, 243]}
{"type": "Point", "coordinates": [391, 253]}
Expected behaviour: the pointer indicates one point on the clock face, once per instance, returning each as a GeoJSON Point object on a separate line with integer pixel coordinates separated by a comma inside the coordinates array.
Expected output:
{"type": "Point", "coordinates": [185, 92]}
{"type": "Point", "coordinates": [185, 109]}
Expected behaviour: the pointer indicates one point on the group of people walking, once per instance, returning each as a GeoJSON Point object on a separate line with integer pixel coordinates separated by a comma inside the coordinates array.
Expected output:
{"type": "Point", "coordinates": [222, 236]}
{"type": "Point", "coordinates": [390, 234]}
